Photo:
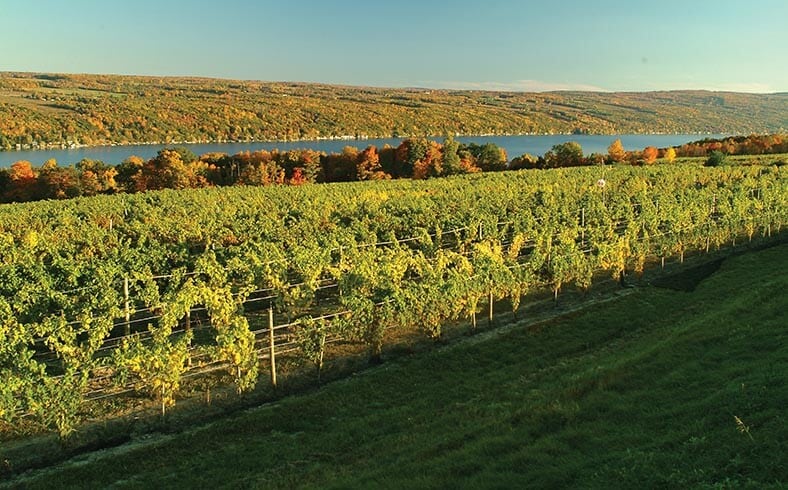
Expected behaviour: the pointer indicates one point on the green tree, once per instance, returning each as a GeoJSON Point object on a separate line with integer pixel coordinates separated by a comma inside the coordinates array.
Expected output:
{"type": "Point", "coordinates": [596, 159]}
{"type": "Point", "coordinates": [127, 173]}
{"type": "Point", "coordinates": [569, 154]}
{"type": "Point", "coordinates": [431, 165]}
{"type": "Point", "coordinates": [186, 154]}
{"type": "Point", "coordinates": [489, 156]}
{"type": "Point", "coordinates": [451, 157]}
{"type": "Point", "coordinates": [5, 183]}
{"type": "Point", "coordinates": [716, 158]}
{"type": "Point", "coordinates": [414, 149]}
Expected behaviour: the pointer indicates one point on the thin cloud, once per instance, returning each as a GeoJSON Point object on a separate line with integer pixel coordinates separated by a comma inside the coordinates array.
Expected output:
{"type": "Point", "coordinates": [693, 84]}
{"type": "Point", "coordinates": [753, 88]}
{"type": "Point", "coordinates": [515, 86]}
{"type": "Point", "coordinates": [541, 86]}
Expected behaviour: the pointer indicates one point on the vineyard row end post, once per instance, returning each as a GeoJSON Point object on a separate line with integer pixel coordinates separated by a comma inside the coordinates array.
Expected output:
{"type": "Point", "coordinates": [271, 346]}
{"type": "Point", "coordinates": [126, 307]}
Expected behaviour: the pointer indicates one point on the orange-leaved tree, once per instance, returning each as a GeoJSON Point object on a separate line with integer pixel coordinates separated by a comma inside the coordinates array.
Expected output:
{"type": "Point", "coordinates": [650, 154]}
{"type": "Point", "coordinates": [368, 166]}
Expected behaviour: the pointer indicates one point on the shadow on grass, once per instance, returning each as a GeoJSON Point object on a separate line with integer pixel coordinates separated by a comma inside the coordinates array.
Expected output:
{"type": "Point", "coordinates": [688, 279]}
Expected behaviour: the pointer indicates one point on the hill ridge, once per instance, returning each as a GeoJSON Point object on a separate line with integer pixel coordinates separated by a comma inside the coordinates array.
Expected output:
{"type": "Point", "coordinates": [40, 110]}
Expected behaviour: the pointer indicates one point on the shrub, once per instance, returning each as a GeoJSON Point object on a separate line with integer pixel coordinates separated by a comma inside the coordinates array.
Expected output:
{"type": "Point", "coordinates": [716, 158]}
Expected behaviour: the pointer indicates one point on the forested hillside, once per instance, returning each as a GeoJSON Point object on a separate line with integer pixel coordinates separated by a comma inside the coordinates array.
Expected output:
{"type": "Point", "coordinates": [39, 110]}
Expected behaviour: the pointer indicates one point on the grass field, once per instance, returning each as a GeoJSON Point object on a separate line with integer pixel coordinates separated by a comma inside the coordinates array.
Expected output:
{"type": "Point", "coordinates": [681, 385]}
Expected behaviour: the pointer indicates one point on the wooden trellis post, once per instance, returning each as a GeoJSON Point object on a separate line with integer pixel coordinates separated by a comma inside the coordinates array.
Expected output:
{"type": "Point", "coordinates": [272, 350]}
{"type": "Point", "coordinates": [126, 307]}
{"type": "Point", "coordinates": [490, 319]}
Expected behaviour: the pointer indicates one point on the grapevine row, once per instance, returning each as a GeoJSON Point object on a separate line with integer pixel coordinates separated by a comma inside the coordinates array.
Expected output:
{"type": "Point", "coordinates": [299, 250]}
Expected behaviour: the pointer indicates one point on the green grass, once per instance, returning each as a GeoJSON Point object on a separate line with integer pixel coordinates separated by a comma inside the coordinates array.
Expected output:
{"type": "Point", "coordinates": [641, 391]}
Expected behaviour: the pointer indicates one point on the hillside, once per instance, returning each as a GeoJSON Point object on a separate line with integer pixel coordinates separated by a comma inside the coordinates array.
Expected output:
{"type": "Point", "coordinates": [38, 110]}
{"type": "Point", "coordinates": [675, 386]}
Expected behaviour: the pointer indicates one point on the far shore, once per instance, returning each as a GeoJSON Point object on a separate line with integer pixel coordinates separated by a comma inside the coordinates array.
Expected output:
{"type": "Point", "coordinates": [68, 145]}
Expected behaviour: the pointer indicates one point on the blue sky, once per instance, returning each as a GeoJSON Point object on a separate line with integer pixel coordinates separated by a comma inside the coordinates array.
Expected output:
{"type": "Point", "coordinates": [491, 44]}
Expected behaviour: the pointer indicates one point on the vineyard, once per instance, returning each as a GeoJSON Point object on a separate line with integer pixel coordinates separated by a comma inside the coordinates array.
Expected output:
{"type": "Point", "coordinates": [109, 295]}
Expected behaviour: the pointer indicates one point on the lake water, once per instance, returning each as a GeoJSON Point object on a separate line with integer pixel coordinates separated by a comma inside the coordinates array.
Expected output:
{"type": "Point", "coordinates": [514, 146]}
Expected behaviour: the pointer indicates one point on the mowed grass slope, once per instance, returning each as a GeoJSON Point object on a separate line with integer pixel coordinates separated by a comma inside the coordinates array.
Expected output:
{"type": "Point", "coordinates": [642, 391]}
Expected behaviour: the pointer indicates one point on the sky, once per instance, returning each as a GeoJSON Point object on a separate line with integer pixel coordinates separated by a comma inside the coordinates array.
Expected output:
{"type": "Point", "coordinates": [520, 45]}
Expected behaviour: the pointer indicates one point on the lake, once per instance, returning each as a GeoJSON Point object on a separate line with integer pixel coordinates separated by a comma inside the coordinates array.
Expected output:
{"type": "Point", "coordinates": [514, 146]}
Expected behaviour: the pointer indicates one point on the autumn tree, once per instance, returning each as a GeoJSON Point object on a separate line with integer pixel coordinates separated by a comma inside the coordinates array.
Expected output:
{"type": "Point", "coordinates": [407, 154]}
{"type": "Point", "coordinates": [670, 154]}
{"type": "Point", "coordinates": [307, 162]}
{"type": "Point", "coordinates": [290, 161]}
{"type": "Point", "coordinates": [298, 177]}
{"type": "Point", "coordinates": [58, 182]}
{"type": "Point", "coordinates": [468, 164]}
{"type": "Point", "coordinates": [399, 168]}
{"type": "Point", "coordinates": [431, 164]}
{"type": "Point", "coordinates": [215, 165]}
{"type": "Point", "coordinates": [340, 167]}
{"type": "Point", "coordinates": [262, 173]}
{"type": "Point", "coordinates": [96, 177]}
{"type": "Point", "coordinates": [650, 154]}
{"type": "Point", "coordinates": [23, 182]}
{"type": "Point", "coordinates": [166, 170]}
{"type": "Point", "coordinates": [524, 161]}
{"type": "Point", "coordinates": [368, 166]}
{"type": "Point", "coordinates": [22, 171]}
{"type": "Point", "coordinates": [616, 151]}
{"type": "Point", "coordinates": [310, 162]}
{"type": "Point", "coordinates": [127, 172]}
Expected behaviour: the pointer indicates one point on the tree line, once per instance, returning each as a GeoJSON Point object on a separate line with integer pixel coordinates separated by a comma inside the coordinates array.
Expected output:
{"type": "Point", "coordinates": [179, 168]}
{"type": "Point", "coordinates": [570, 154]}
{"type": "Point", "coordinates": [415, 158]}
